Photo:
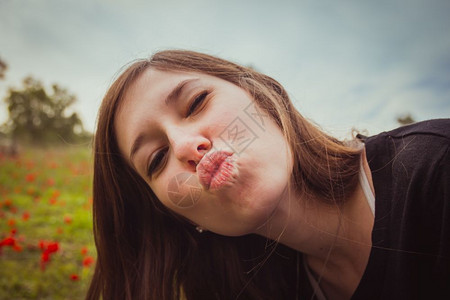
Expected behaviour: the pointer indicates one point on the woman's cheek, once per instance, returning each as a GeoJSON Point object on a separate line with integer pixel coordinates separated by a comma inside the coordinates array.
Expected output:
{"type": "Point", "coordinates": [183, 191]}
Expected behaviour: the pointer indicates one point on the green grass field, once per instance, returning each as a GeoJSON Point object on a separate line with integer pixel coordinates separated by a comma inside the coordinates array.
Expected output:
{"type": "Point", "coordinates": [46, 243]}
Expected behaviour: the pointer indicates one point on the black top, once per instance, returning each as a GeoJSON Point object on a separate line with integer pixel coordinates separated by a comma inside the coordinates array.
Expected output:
{"type": "Point", "coordinates": [410, 257]}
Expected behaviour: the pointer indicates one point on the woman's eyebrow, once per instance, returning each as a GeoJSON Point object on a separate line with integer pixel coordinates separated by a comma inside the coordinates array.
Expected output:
{"type": "Point", "coordinates": [136, 145]}
{"type": "Point", "coordinates": [175, 93]}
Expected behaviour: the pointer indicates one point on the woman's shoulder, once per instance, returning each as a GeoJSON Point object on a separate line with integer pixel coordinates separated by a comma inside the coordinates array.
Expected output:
{"type": "Point", "coordinates": [409, 161]}
{"type": "Point", "coordinates": [436, 127]}
{"type": "Point", "coordinates": [418, 142]}
{"type": "Point", "coordinates": [410, 168]}
{"type": "Point", "coordinates": [439, 128]}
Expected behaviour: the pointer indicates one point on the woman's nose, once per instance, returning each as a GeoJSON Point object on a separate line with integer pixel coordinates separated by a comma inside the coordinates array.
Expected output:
{"type": "Point", "coordinates": [188, 147]}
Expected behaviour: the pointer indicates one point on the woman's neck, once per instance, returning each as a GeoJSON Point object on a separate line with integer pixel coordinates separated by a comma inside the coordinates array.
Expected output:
{"type": "Point", "coordinates": [336, 241]}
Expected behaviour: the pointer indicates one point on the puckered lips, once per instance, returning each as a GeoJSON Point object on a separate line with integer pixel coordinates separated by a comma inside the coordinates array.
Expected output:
{"type": "Point", "coordinates": [215, 169]}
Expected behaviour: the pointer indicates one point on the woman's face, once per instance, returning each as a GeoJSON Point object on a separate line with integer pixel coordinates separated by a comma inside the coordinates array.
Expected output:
{"type": "Point", "coordinates": [205, 149]}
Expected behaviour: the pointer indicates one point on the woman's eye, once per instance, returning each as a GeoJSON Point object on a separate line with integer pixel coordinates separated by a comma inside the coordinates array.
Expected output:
{"type": "Point", "coordinates": [156, 162]}
{"type": "Point", "coordinates": [197, 102]}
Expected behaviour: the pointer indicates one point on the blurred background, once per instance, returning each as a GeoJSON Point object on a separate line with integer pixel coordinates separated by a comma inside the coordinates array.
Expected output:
{"type": "Point", "coordinates": [365, 65]}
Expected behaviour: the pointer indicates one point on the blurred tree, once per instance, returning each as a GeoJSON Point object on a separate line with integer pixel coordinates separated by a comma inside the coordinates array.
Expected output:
{"type": "Point", "coordinates": [405, 119]}
{"type": "Point", "coordinates": [40, 118]}
{"type": "Point", "coordinates": [3, 68]}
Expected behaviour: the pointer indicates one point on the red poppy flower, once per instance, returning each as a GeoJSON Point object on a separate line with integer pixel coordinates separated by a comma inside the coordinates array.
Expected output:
{"type": "Point", "coordinates": [11, 222]}
{"type": "Point", "coordinates": [67, 219]}
{"type": "Point", "coordinates": [45, 257]}
{"type": "Point", "coordinates": [56, 194]}
{"type": "Point", "coordinates": [52, 247]}
{"type": "Point", "coordinates": [84, 251]}
{"type": "Point", "coordinates": [87, 261]}
{"type": "Point", "coordinates": [41, 245]}
{"type": "Point", "coordinates": [30, 177]}
{"type": "Point", "coordinates": [48, 248]}
{"type": "Point", "coordinates": [74, 277]}
{"type": "Point", "coordinates": [25, 216]}
{"type": "Point", "coordinates": [9, 241]}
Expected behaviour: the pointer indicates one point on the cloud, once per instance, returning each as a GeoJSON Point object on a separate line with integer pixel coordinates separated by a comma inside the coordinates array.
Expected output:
{"type": "Point", "coordinates": [360, 63]}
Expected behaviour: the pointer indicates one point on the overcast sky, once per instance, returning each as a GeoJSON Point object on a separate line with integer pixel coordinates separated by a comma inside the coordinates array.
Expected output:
{"type": "Point", "coordinates": [345, 63]}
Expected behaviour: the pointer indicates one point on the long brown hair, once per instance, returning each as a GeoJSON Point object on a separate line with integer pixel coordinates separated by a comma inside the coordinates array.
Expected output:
{"type": "Point", "coordinates": [147, 252]}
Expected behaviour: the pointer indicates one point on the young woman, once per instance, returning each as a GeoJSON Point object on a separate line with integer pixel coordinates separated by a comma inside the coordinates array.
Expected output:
{"type": "Point", "coordinates": [209, 184]}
